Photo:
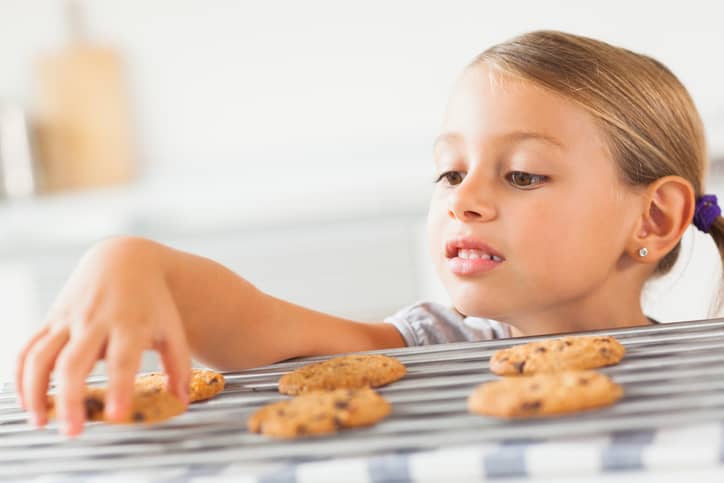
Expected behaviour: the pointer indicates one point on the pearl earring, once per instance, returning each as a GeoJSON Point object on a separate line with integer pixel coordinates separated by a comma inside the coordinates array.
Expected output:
{"type": "Point", "coordinates": [643, 252]}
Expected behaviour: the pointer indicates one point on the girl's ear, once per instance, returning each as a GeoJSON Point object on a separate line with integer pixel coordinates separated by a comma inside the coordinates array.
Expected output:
{"type": "Point", "coordinates": [667, 212]}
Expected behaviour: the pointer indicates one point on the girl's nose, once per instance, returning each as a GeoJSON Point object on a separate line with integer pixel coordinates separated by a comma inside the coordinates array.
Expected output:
{"type": "Point", "coordinates": [469, 202]}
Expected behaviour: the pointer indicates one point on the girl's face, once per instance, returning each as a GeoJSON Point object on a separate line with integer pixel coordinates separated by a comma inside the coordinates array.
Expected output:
{"type": "Point", "coordinates": [529, 215]}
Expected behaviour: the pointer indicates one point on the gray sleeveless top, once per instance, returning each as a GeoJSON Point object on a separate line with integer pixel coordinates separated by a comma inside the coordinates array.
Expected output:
{"type": "Point", "coordinates": [425, 323]}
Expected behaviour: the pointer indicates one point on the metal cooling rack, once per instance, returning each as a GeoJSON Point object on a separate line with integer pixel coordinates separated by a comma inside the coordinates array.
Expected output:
{"type": "Point", "coordinates": [673, 374]}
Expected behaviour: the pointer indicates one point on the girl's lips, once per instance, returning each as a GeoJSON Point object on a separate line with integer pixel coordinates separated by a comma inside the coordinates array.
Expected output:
{"type": "Point", "coordinates": [474, 266]}
{"type": "Point", "coordinates": [477, 257]}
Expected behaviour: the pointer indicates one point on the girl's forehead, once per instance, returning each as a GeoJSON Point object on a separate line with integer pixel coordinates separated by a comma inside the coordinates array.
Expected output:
{"type": "Point", "coordinates": [486, 102]}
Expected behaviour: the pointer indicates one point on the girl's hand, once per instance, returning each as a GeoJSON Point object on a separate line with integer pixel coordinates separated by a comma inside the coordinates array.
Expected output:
{"type": "Point", "coordinates": [115, 305]}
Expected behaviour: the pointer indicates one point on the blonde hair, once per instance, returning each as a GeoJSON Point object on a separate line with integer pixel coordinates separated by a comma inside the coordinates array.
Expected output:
{"type": "Point", "coordinates": [651, 124]}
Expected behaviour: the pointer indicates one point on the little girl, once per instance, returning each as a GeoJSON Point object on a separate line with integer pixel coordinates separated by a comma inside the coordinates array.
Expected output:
{"type": "Point", "coordinates": [567, 173]}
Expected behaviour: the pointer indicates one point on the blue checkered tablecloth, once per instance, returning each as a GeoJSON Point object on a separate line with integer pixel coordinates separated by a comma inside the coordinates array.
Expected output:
{"type": "Point", "coordinates": [664, 450]}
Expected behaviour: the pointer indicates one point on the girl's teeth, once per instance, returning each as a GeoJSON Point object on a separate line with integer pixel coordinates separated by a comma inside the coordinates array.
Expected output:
{"type": "Point", "coordinates": [471, 254]}
{"type": "Point", "coordinates": [468, 254]}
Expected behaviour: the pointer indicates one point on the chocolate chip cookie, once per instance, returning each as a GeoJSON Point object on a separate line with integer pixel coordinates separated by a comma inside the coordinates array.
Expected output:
{"type": "Point", "coordinates": [352, 371]}
{"type": "Point", "coordinates": [205, 384]}
{"type": "Point", "coordinates": [147, 406]}
{"type": "Point", "coordinates": [583, 352]}
{"type": "Point", "coordinates": [319, 412]}
{"type": "Point", "coordinates": [544, 394]}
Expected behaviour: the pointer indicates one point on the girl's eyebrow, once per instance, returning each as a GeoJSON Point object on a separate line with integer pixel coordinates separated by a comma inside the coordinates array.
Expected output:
{"type": "Point", "coordinates": [518, 136]}
{"type": "Point", "coordinates": [508, 138]}
{"type": "Point", "coordinates": [447, 137]}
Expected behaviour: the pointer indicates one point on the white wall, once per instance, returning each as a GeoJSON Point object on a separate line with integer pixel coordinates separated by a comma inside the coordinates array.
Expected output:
{"type": "Point", "coordinates": [290, 97]}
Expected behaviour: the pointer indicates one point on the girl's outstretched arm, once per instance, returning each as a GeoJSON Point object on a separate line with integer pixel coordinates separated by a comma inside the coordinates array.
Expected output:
{"type": "Point", "coordinates": [232, 325]}
{"type": "Point", "coordinates": [128, 295]}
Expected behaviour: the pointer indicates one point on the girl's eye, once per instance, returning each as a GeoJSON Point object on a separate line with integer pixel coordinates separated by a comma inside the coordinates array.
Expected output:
{"type": "Point", "coordinates": [521, 179]}
{"type": "Point", "coordinates": [451, 177]}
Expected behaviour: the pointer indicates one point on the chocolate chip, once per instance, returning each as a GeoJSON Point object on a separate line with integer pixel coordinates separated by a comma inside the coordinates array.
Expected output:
{"type": "Point", "coordinates": [569, 343]}
{"type": "Point", "coordinates": [281, 412]}
{"type": "Point", "coordinates": [93, 407]}
{"type": "Point", "coordinates": [603, 351]}
{"type": "Point", "coordinates": [531, 406]}
{"type": "Point", "coordinates": [341, 404]}
{"type": "Point", "coordinates": [302, 429]}
{"type": "Point", "coordinates": [338, 423]}
{"type": "Point", "coordinates": [138, 416]}
{"type": "Point", "coordinates": [214, 380]}
{"type": "Point", "coordinates": [519, 366]}
{"type": "Point", "coordinates": [541, 349]}
{"type": "Point", "coordinates": [583, 381]}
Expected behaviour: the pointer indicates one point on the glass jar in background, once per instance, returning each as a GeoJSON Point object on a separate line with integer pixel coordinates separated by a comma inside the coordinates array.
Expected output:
{"type": "Point", "coordinates": [18, 173]}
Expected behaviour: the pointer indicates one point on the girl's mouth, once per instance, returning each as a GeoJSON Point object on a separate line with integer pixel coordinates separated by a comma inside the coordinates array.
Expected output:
{"type": "Point", "coordinates": [466, 256]}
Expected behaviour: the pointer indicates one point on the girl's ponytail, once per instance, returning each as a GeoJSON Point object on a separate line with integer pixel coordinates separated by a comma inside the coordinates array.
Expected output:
{"type": "Point", "coordinates": [717, 233]}
{"type": "Point", "coordinates": [707, 218]}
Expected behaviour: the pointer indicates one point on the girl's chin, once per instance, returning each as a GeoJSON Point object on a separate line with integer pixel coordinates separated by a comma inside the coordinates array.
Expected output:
{"type": "Point", "coordinates": [472, 298]}
{"type": "Point", "coordinates": [470, 308]}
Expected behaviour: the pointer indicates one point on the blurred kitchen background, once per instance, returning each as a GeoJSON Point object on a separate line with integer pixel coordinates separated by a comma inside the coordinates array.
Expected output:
{"type": "Point", "coordinates": [289, 140]}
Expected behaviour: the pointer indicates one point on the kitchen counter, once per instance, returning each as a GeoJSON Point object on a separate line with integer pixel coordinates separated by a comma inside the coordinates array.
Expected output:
{"type": "Point", "coordinates": [186, 206]}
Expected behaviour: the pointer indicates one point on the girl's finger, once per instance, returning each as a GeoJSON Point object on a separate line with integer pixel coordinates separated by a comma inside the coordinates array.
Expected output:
{"type": "Point", "coordinates": [75, 362]}
{"type": "Point", "coordinates": [36, 373]}
{"type": "Point", "coordinates": [20, 362]}
{"type": "Point", "coordinates": [123, 356]}
{"type": "Point", "coordinates": [176, 359]}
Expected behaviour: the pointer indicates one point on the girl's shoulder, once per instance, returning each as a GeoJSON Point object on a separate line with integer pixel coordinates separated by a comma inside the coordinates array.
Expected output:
{"type": "Point", "coordinates": [425, 323]}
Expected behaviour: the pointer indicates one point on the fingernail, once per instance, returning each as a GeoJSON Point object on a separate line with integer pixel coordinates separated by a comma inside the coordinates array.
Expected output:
{"type": "Point", "coordinates": [34, 420]}
{"type": "Point", "coordinates": [111, 409]}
